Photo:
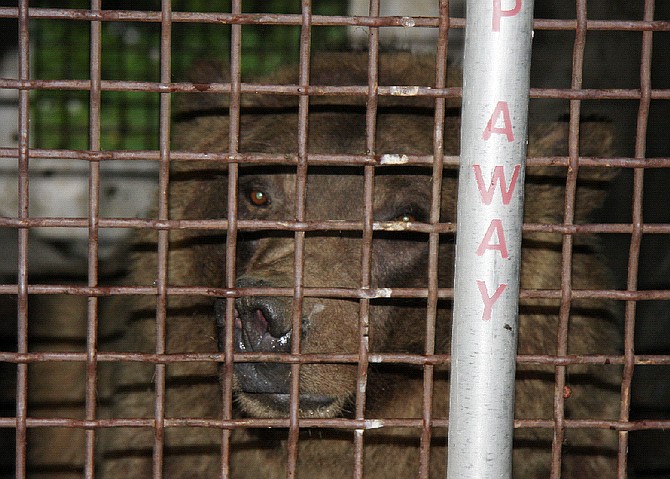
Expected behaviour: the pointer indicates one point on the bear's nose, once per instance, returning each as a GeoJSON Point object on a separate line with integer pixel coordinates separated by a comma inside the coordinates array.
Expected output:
{"type": "Point", "coordinates": [263, 324]}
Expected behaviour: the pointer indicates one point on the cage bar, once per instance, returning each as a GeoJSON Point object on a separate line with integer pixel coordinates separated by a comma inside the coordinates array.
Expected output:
{"type": "Point", "coordinates": [299, 237]}
{"type": "Point", "coordinates": [93, 234]}
{"type": "Point", "coordinates": [568, 242]}
{"type": "Point", "coordinates": [366, 248]}
{"type": "Point", "coordinates": [434, 241]}
{"type": "Point", "coordinates": [637, 221]}
{"type": "Point", "coordinates": [22, 264]}
{"type": "Point", "coordinates": [496, 79]}
{"type": "Point", "coordinates": [231, 237]}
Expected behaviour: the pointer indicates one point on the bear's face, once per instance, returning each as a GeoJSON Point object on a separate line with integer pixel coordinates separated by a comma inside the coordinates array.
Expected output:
{"type": "Point", "coordinates": [338, 256]}
{"type": "Point", "coordinates": [335, 259]}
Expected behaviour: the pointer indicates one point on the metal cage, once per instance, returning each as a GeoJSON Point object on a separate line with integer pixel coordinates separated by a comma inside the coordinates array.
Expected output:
{"type": "Point", "coordinates": [636, 242]}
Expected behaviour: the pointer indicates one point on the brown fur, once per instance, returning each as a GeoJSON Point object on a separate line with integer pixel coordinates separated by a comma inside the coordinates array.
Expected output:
{"type": "Point", "coordinates": [197, 258]}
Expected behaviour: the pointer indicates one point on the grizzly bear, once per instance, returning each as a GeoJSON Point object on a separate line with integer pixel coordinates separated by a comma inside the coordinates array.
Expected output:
{"type": "Point", "coordinates": [209, 430]}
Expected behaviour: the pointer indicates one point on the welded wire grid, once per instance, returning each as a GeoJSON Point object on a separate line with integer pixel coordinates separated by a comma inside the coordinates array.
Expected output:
{"type": "Point", "coordinates": [22, 357]}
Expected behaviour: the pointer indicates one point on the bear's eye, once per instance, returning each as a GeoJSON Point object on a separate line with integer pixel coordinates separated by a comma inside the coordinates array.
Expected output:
{"type": "Point", "coordinates": [259, 197]}
{"type": "Point", "coordinates": [410, 214]}
{"type": "Point", "coordinates": [405, 218]}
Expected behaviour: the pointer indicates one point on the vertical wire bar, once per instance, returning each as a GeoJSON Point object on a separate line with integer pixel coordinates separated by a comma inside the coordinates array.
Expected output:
{"type": "Point", "coordinates": [299, 251]}
{"type": "Point", "coordinates": [93, 216]}
{"type": "Point", "coordinates": [163, 240]}
{"type": "Point", "coordinates": [231, 234]}
{"type": "Point", "coordinates": [22, 267]}
{"type": "Point", "coordinates": [567, 246]}
{"type": "Point", "coordinates": [494, 134]}
{"type": "Point", "coordinates": [366, 251]}
{"type": "Point", "coordinates": [434, 239]}
{"type": "Point", "coordinates": [636, 237]}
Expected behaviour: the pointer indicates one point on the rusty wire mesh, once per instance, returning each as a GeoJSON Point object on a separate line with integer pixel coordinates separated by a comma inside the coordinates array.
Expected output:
{"type": "Point", "coordinates": [23, 355]}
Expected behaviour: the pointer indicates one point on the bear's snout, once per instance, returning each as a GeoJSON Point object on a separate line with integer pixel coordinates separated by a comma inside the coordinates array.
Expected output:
{"type": "Point", "coordinates": [262, 325]}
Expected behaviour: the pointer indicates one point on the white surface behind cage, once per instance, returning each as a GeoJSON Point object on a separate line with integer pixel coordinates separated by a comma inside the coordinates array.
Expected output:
{"type": "Point", "coordinates": [9, 100]}
{"type": "Point", "coordinates": [407, 38]}
{"type": "Point", "coordinates": [59, 188]}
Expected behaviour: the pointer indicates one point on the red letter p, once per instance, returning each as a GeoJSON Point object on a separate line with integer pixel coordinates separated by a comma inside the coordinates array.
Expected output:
{"type": "Point", "coordinates": [498, 12]}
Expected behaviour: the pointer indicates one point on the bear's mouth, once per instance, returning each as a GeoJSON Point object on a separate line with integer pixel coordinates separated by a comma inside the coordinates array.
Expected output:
{"type": "Point", "coordinates": [254, 334]}
{"type": "Point", "coordinates": [309, 404]}
{"type": "Point", "coordinates": [266, 383]}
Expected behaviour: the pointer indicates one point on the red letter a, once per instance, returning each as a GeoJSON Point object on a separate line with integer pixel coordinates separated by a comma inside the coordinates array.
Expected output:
{"type": "Point", "coordinates": [501, 108]}
{"type": "Point", "coordinates": [497, 228]}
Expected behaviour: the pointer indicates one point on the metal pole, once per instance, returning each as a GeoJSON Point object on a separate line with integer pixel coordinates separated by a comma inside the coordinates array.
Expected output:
{"type": "Point", "coordinates": [490, 215]}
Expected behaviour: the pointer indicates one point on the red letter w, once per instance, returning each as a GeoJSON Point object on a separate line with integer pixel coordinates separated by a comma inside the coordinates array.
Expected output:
{"type": "Point", "coordinates": [499, 177]}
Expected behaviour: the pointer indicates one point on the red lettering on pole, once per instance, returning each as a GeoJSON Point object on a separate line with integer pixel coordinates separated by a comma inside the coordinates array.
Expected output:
{"type": "Point", "coordinates": [489, 300]}
{"type": "Point", "coordinates": [497, 228]}
{"type": "Point", "coordinates": [499, 177]}
{"type": "Point", "coordinates": [501, 108]}
{"type": "Point", "coordinates": [498, 12]}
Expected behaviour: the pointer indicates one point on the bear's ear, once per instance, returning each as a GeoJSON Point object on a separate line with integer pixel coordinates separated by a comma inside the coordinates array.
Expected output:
{"type": "Point", "coordinates": [596, 139]}
{"type": "Point", "coordinates": [209, 71]}
{"type": "Point", "coordinates": [202, 74]}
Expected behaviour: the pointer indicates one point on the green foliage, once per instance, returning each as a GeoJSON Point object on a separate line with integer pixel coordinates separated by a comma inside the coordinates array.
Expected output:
{"type": "Point", "coordinates": [131, 51]}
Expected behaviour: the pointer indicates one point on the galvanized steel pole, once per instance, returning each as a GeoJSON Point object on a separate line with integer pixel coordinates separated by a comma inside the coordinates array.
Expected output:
{"type": "Point", "coordinates": [488, 239]}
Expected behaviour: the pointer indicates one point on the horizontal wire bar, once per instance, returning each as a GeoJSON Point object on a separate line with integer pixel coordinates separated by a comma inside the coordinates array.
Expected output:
{"type": "Point", "coordinates": [315, 20]}
{"type": "Point", "coordinates": [312, 226]}
{"type": "Point", "coordinates": [332, 293]}
{"type": "Point", "coordinates": [330, 423]}
{"type": "Point", "coordinates": [316, 159]}
{"type": "Point", "coordinates": [318, 90]}
{"type": "Point", "coordinates": [325, 358]}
